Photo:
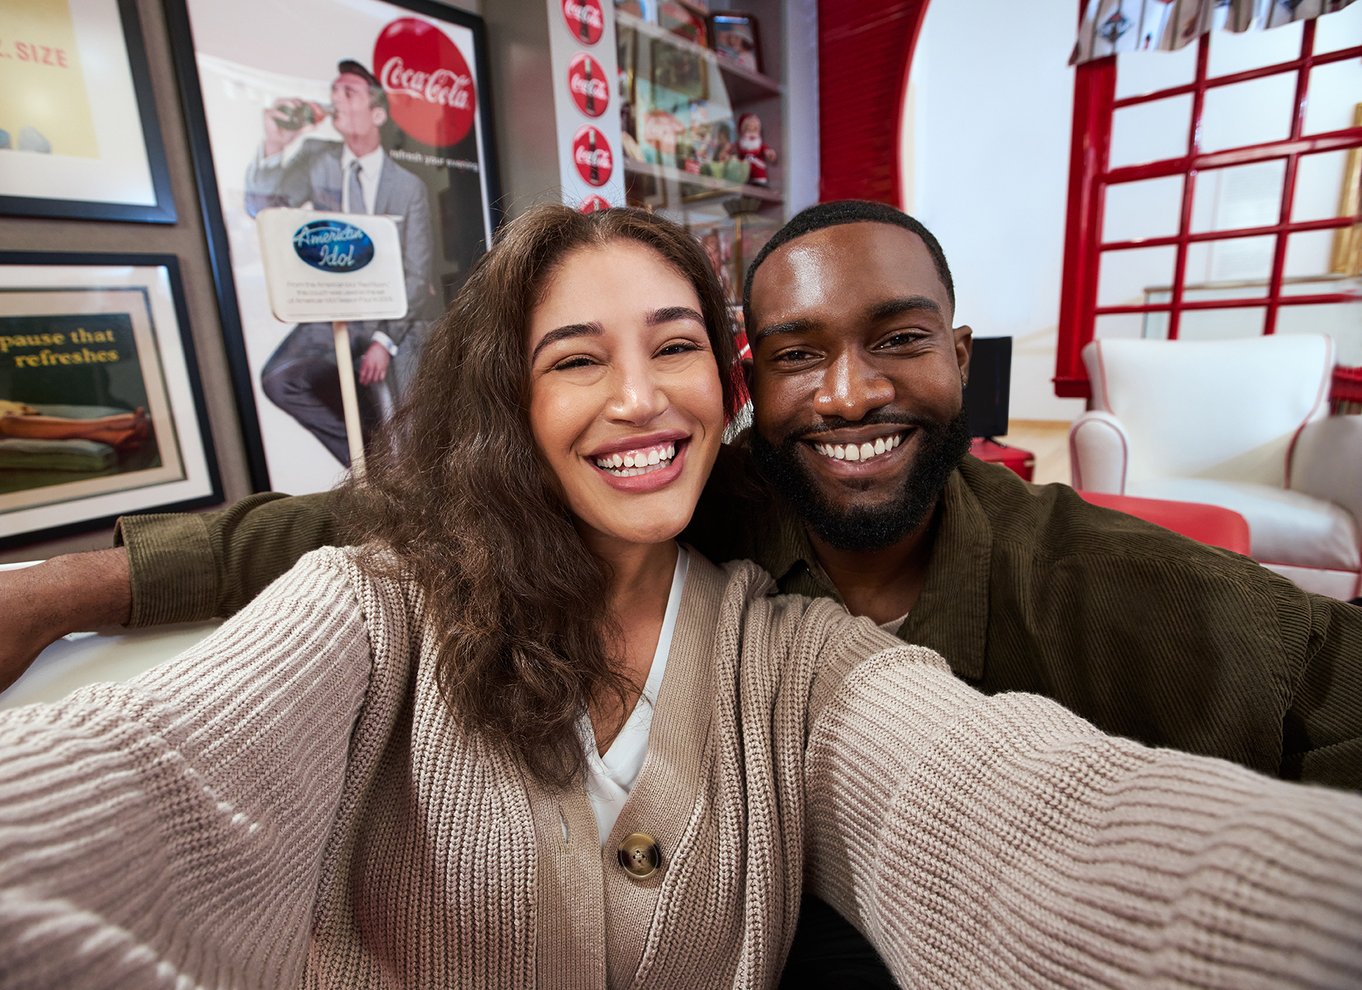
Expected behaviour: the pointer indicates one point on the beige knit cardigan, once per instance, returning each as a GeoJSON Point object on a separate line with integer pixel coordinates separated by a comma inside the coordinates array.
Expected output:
{"type": "Point", "coordinates": [290, 803]}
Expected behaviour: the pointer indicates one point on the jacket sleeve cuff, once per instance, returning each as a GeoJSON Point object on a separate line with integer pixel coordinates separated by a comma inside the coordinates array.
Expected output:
{"type": "Point", "coordinates": [173, 568]}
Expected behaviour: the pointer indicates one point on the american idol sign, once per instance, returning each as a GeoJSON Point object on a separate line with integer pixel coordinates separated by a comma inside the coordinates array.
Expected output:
{"type": "Point", "coordinates": [333, 246]}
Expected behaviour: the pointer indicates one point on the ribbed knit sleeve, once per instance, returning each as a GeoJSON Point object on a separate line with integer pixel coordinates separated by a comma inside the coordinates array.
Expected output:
{"type": "Point", "coordinates": [1004, 842]}
{"type": "Point", "coordinates": [170, 831]}
{"type": "Point", "coordinates": [191, 567]}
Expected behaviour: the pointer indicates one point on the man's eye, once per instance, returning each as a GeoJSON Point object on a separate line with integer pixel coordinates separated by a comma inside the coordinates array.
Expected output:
{"type": "Point", "coordinates": [793, 355]}
{"type": "Point", "coordinates": [903, 338]}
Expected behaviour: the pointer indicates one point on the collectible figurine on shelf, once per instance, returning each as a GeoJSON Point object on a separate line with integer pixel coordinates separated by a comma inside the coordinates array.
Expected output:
{"type": "Point", "coordinates": [753, 149]}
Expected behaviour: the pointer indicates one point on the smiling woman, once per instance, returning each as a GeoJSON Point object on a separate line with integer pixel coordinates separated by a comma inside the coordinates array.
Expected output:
{"type": "Point", "coordinates": [519, 737]}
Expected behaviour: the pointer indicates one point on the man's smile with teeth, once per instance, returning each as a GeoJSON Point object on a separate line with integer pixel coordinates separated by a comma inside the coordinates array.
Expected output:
{"type": "Point", "coordinates": [645, 460]}
{"type": "Point", "coordinates": [859, 451]}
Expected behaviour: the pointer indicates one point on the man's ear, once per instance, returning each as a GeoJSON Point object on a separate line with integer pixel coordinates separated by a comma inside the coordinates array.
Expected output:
{"type": "Point", "coordinates": [380, 116]}
{"type": "Point", "coordinates": [964, 347]}
{"type": "Point", "coordinates": [746, 364]}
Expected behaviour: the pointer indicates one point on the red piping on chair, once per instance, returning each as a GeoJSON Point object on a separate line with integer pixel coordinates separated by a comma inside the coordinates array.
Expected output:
{"type": "Point", "coordinates": [1321, 397]}
{"type": "Point", "coordinates": [1078, 472]}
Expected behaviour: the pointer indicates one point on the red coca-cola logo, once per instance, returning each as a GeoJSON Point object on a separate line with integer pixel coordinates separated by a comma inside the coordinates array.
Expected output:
{"type": "Point", "coordinates": [430, 90]}
{"type": "Point", "coordinates": [591, 154]}
{"type": "Point", "coordinates": [584, 19]}
{"type": "Point", "coordinates": [594, 204]}
{"type": "Point", "coordinates": [586, 83]}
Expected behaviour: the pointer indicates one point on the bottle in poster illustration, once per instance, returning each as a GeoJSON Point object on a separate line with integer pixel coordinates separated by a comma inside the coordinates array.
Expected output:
{"type": "Point", "coordinates": [584, 19]}
{"type": "Point", "coordinates": [586, 83]}
{"type": "Point", "coordinates": [592, 155]}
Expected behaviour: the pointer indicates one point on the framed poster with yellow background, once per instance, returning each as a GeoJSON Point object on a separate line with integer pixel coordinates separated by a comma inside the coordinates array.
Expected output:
{"type": "Point", "coordinates": [78, 131]}
{"type": "Point", "coordinates": [101, 413]}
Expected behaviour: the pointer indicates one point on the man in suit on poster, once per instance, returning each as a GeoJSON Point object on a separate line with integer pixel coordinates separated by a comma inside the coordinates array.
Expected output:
{"type": "Point", "coordinates": [354, 175]}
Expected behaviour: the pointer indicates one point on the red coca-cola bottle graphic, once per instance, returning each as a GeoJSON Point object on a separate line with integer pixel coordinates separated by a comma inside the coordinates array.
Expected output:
{"type": "Point", "coordinates": [585, 19]}
{"type": "Point", "coordinates": [586, 83]}
{"type": "Point", "coordinates": [592, 155]}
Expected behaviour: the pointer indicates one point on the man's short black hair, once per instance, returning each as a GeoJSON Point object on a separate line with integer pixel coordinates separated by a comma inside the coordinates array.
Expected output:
{"type": "Point", "coordinates": [839, 212]}
{"type": "Point", "coordinates": [377, 96]}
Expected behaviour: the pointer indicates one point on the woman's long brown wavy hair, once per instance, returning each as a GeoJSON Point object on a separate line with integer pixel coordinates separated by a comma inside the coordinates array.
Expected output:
{"type": "Point", "coordinates": [458, 499]}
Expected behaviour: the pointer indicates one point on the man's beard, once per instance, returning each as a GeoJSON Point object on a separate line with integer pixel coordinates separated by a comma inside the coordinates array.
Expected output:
{"type": "Point", "coordinates": [941, 448]}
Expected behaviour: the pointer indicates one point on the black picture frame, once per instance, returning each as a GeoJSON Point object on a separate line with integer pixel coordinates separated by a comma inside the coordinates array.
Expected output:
{"type": "Point", "coordinates": [289, 458]}
{"type": "Point", "coordinates": [107, 337]}
{"type": "Point", "coordinates": [22, 194]}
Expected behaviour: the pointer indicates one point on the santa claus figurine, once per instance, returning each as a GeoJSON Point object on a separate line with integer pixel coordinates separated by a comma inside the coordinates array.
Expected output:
{"type": "Point", "coordinates": [753, 149]}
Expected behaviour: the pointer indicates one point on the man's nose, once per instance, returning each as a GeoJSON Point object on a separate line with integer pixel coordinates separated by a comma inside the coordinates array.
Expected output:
{"type": "Point", "coordinates": [852, 388]}
{"type": "Point", "coordinates": [637, 396]}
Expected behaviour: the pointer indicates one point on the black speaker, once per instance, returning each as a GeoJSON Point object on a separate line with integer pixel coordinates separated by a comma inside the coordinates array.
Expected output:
{"type": "Point", "coordinates": [990, 374]}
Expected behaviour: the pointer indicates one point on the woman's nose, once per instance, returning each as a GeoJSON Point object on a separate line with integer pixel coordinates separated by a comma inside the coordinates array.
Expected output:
{"type": "Point", "coordinates": [852, 388]}
{"type": "Point", "coordinates": [637, 395]}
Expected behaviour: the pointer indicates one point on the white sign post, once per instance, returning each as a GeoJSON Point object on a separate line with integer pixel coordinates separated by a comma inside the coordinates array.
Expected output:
{"type": "Point", "coordinates": [334, 268]}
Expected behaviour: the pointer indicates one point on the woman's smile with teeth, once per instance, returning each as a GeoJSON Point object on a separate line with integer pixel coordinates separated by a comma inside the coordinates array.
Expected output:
{"type": "Point", "coordinates": [627, 463]}
{"type": "Point", "coordinates": [859, 451]}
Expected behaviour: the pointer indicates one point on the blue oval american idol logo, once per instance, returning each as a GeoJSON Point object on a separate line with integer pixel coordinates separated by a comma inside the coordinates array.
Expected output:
{"type": "Point", "coordinates": [333, 245]}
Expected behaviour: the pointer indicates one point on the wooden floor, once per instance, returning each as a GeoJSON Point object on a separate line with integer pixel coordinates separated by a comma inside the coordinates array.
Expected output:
{"type": "Point", "coordinates": [1048, 440]}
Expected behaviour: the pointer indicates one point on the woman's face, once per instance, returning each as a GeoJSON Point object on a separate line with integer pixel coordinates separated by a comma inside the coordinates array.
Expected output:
{"type": "Point", "coordinates": [625, 402]}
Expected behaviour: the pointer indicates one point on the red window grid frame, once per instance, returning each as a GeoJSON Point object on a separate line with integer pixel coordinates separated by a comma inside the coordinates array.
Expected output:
{"type": "Point", "coordinates": [1090, 174]}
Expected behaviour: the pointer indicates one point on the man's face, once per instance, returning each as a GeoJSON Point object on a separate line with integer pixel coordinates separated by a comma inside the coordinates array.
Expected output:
{"type": "Point", "coordinates": [857, 381]}
{"type": "Point", "coordinates": [355, 113]}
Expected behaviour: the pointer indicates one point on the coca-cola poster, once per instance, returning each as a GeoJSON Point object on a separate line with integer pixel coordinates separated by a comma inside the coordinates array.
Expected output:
{"type": "Point", "coordinates": [340, 106]}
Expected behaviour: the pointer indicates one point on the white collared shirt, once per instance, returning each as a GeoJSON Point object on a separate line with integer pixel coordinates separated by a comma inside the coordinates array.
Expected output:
{"type": "Point", "coordinates": [370, 167]}
{"type": "Point", "coordinates": [610, 778]}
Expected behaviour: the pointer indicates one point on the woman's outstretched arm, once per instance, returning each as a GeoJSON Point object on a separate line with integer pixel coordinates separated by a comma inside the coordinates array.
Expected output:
{"type": "Point", "coordinates": [169, 830]}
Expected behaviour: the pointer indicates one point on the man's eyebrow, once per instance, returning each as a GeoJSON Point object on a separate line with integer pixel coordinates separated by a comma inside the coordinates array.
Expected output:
{"type": "Point", "coordinates": [670, 314]}
{"type": "Point", "coordinates": [787, 326]}
{"type": "Point", "coordinates": [905, 304]}
{"type": "Point", "coordinates": [566, 333]}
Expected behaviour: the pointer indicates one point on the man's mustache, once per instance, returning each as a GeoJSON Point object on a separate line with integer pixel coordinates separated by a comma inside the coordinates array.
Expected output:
{"type": "Point", "coordinates": [828, 424]}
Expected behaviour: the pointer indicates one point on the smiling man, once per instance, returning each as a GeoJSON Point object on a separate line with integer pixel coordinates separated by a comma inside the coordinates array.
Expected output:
{"type": "Point", "coordinates": [857, 385]}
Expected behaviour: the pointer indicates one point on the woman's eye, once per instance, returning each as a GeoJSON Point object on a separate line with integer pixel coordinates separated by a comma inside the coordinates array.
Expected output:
{"type": "Point", "coordinates": [567, 364]}
{"type": "Point", "coordinates": [678, 347]}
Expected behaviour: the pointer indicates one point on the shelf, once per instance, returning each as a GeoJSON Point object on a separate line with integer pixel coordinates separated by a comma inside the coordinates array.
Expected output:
{"type": "Point", "coordinates": [702, 186]}
{"type": "Point", "coordinates": [744, 85]}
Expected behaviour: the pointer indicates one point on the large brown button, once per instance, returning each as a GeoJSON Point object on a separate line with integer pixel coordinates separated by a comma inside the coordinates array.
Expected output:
{"type": "Point", "coordinates": [640, 856]}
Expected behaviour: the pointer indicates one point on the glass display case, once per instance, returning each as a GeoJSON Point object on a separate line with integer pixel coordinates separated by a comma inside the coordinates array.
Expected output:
{"type": "Point", "coordinates": [702, 115]}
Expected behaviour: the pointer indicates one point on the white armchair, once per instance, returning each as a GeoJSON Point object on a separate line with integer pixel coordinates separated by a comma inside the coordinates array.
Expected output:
{"type": "Point", "coordinates": [1240, 423]}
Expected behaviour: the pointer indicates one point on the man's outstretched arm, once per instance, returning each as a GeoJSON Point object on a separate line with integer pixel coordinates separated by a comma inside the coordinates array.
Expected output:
{"type": "Point", "coordinates": [193, 567]}
{"type": "Point", "coordinates": [168, 568]}
{"type": "Point", "coordinates": [62, 595]}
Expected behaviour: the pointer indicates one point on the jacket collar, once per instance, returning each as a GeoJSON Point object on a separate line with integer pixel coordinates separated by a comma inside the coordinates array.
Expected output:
{"type": "Point", "coordinates": [951, 614]}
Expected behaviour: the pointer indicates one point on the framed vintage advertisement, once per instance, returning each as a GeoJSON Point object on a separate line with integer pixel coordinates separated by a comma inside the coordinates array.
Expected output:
{"type": "Point", "coordinates": [78, 130]}
{"type": "Point", "coordinates": [100, 408]}
{"type": "Point", "coordinates": [352, 106]}
{"type": "Point", "coordinates": [735, 37]}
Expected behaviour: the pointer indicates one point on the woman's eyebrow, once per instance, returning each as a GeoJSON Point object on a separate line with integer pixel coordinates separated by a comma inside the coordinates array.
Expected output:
{"type": "Point", "coordinates": [670, 314]}
{"type": "Point", "coordinates": [592, 329]}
